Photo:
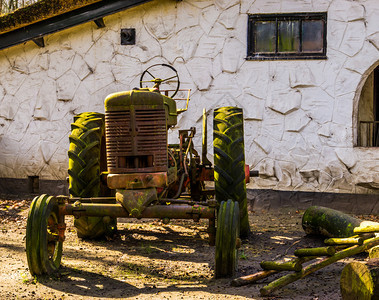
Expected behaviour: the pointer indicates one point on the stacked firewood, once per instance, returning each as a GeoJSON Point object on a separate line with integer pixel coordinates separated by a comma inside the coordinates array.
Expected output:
{"type": "Point", "coordinates": [347, 236]}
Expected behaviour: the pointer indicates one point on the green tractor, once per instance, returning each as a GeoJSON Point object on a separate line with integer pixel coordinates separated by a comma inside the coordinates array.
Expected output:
{"type": "Point", "coordinates": [121, 165]}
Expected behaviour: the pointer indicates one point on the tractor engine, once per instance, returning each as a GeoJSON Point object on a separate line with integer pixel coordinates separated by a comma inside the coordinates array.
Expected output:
{"type": "Point", "coordinates": [136, 124]}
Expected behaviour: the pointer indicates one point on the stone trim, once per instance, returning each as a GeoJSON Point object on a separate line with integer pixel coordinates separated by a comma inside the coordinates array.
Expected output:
{"type": "Point", "coordinates": [259, 200]}
{"type": "Point", "coordinates": [20, 187]}
{"type": "Point", "coordinates": [271, 200]}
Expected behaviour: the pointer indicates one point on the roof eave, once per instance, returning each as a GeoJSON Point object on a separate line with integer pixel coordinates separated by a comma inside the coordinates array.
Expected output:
{"type": "Point", "coordinates": [38, 30]}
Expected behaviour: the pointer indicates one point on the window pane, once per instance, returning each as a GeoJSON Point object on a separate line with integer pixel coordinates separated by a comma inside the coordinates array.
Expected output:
{"type": "Point", "coordinates": [289, 38]}
{"type": "Point", "coordinates": [313, 36]}
{"type": "Point", "coordinates": [265, 36]}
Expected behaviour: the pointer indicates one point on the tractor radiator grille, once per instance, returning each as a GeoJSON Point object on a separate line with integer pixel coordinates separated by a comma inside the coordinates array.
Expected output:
{"type": "Point", "coordinates": [136, 141]}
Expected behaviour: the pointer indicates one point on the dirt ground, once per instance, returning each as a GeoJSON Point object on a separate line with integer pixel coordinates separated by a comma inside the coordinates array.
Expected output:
{"type": "Point", "coordinates": [150, 260]}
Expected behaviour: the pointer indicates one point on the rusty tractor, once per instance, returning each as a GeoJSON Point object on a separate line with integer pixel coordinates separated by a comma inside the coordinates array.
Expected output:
{"type": "Point", "coordinates": [121, 166]}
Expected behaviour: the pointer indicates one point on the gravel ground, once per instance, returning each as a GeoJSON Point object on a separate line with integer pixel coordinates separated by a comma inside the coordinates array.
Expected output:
{"type": "Point", "coordinates": [147, 259]}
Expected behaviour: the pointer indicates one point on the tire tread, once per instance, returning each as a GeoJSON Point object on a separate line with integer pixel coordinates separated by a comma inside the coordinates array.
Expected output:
{"type": "Point", "coordinates": [229, 160]}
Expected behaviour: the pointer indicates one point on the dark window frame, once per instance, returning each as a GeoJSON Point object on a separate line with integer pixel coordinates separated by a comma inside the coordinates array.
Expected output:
{"type": "Point", "coordinates": [371, 128]}
{"type": "Point", "coordinates": [253, 55]}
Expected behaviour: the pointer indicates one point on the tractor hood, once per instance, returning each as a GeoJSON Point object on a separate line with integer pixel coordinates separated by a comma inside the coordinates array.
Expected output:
{"type": "Point", "coordinates": [143, 98]}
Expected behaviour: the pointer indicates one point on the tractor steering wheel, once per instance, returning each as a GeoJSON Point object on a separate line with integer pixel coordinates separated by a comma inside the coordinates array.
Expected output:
{"type": "Point", "coordinates": [172, 78]}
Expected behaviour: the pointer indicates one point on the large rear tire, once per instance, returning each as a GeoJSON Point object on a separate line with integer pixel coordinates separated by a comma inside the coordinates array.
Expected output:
{"type": "Point", "coordinates": [86, 162]}
{"type": "Point", "coordinates": [229, 161]}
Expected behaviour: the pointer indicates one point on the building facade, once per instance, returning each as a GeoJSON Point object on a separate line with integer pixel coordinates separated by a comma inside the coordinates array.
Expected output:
{"type": "Point", "coordinates": [304, 71]}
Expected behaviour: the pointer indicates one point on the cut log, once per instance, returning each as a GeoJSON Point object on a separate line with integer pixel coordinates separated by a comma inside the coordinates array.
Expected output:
{"type": "Point", "coordinates": [367, 227]}
{"type": "Point", "coordinates": [374, 252]}
{"type": "Point", "coordinates": [344, 241]}
{"type": "Point", "coordinates": [287, 265]}
{"type": "Point", "coordinates": [321, 251]}
{"type": "Point", "coordinates": [249, 279]}
{"type": "Point", "coordinates": [328, 222]}
{"type": "Point", "coordinates": [333, 223]}
{"type": "Point", "coordinates": [360, 280]}
{"type": "Point", "coordinates": [245, 280]}
{"type": "Point", "coordinates": [291, 265]}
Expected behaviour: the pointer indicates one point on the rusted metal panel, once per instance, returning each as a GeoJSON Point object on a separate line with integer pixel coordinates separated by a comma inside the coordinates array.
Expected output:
{"type": "Point", "coordinates": [206, 174]}
{"type": "Point", "coordinates": [137, 180]}
{"type": "Point", "coordinates": [136, 140]}
{"type": "Point", "coordinates": [247, 173]}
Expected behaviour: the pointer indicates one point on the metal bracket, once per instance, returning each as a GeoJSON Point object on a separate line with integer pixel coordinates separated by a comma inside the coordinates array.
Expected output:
{"type": "Point", "coordinates": [99, 23]}
{"type": "Point", "coordinates": [39, 41]}
{"type": "Point", "coordinates": [135, 201]}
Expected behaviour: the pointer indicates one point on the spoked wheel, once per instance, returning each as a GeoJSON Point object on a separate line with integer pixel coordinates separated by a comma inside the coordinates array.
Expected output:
{"type": "Point", "coordinates": [227, 239]}
{"type": "Point", "coordinates": [168, 76]}
{"type": "Point", "coordinates": [43, 248]}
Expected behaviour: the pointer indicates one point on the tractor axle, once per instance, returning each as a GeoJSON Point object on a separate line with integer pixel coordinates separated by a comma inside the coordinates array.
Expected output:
{"type": "Point", "coordinates": [163, 212]}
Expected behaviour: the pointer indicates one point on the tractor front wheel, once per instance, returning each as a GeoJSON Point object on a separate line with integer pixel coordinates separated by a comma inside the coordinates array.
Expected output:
{"type": "Point", "coordinates": [43, 247]}
{"type": "Point", "coordinates": [227, 239]}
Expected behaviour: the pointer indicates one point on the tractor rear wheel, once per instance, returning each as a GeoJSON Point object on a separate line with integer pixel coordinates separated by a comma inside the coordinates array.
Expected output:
{"type": "Point", "coordinates": [227, 239]}
{"type": "Point", "coordinates": [43, 248]}
{"type": "Point", "coordinates": [87, 160]}
{"type": "Point", "coordinates": [229, 160]}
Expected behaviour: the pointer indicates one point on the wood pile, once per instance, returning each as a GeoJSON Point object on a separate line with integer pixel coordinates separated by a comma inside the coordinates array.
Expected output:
{"type": "Point", "coordinates": [346, 237]}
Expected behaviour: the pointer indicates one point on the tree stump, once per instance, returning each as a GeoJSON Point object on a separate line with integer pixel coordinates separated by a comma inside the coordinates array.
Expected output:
{"type": "Point", "coordinates": [360, 280]}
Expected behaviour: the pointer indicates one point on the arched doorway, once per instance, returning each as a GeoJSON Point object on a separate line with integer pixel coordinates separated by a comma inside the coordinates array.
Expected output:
{"type": "Point", "coordinates": [368, 112]}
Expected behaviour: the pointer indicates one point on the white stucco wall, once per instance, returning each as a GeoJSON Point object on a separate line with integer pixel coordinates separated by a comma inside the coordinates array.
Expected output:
{"type": "Point", "coordinates": [299, 114]}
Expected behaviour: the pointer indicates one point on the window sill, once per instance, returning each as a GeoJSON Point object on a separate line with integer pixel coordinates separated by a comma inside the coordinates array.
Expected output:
{"type": "Point", "coordinates": [366, 147]}
{"type": "Point", "coordinates": [299, 57]}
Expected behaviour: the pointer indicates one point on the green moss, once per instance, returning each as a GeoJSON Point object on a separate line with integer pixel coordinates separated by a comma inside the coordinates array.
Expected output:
{"type": "Point", "coordinates": [328, 222]}
{"type": "Point", "coordinates": [39, 11]}
{"type": "Point", "coordinates": [357, 282]}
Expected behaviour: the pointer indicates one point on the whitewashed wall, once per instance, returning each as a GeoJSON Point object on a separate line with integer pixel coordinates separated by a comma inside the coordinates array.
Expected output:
{"type": "Point", "coordinates": [299, 114]}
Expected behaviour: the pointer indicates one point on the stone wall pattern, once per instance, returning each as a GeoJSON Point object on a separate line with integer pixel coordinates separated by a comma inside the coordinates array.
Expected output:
{"type": "Point", "coordinates": [299, 114]}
